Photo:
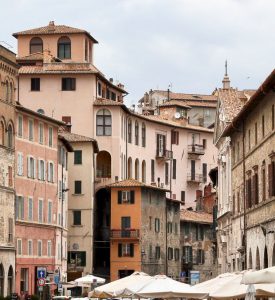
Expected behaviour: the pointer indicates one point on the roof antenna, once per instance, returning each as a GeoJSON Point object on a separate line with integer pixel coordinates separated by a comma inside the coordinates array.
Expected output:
{"type": "Point", "coordinates": [226, 68]}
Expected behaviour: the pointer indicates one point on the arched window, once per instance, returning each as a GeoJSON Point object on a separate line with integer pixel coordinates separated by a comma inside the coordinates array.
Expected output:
{"type": "Point", "coordinates": [64, 48]}
{"type": "Point", "coordinates": [36, 45]}
{"type": "Point", "coordinates": [257, 265]}
{"type": "Point", "coordinates": [265, 258]}
{"type": "Point", "coordinates": [129, 168]}
{"type": "Point", "coordinates": [1, 280]}
{"type": "Point", "coordinates": [2, 133]}
{"type": "Point", "coordinates": [103, 122]}
{"type": "Point", "coordinates": [137, 169]}
{"type": "Point", "coordinates": [143, 135]}
{"type": "Point", "coordinates": [129, 131]}
{"type": "Point", "coordinates": [10, 280]}
{"type": "Point", "coordinates": [7, 91]}
{"type": "Point", "coordinates": [136, 132]}
{"type": "Point", "coordinates": [103, 164]}
{"type": "Point", "coordinates": [11, 92]}
{"type": "Point", "coordinates": [143, 171]}
{"type": "Point", "coordinates": [10, 136]}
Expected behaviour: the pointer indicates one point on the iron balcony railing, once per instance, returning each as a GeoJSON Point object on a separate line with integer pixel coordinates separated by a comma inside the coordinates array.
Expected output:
{"type": "Point", "coordinates": [124, 233]}
{"type": "Point", "coordinates": [164, 154]}
{"type": "Point", "coordinates": [194, 178]}
{"type": "Point", "coordinates": [196, 149]}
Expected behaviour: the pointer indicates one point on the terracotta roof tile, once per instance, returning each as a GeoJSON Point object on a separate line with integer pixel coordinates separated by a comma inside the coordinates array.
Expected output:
{"type": "Point", "coordinates": [134, 183]}
{"type": "Point", "coordinates": [193, 97]}
{"type": "Point", "coordinates": [53, 29]}
{"type": "Point", "coordinates": [174, 103]}
{"type": "Point", "coordinates": [73, 137]}
{"type": "Point", "coordinates": [196, 216]}
{"type": "Point", "coordinates": [33, 56]}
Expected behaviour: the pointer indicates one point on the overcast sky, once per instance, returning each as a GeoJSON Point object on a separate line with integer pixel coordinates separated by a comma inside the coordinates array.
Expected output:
{"type": "Point", "coordinates": [153, 43]}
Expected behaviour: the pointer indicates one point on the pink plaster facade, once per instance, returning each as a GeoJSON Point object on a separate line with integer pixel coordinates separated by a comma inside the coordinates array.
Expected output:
{"type": "Point", "coordinates": [36, 223]}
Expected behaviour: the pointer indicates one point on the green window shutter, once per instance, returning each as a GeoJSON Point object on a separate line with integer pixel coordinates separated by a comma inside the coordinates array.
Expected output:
{"type": "Point", "coordinates": [119, 197]}
{"type": "Point", "coordinates": [132, 198]}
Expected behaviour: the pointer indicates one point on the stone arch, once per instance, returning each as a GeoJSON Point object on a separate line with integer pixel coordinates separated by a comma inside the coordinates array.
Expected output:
{"type": "Point", "coordinates": [265, 257]}
{"type": "Point", "coordinates": [129, 173]}
{"type": "Point", "coordinates": [10, 280]}
{"type": "Point", "coordinates": [2, 278]}
{"type": "Point", "coordinates": [257, 260]}
{"type": "Point", "coordinates": [103, 164]}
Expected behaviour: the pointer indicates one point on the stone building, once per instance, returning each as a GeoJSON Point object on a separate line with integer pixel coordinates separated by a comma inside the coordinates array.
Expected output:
{"type": "Point", "coordinates": [8, 96]}
{"type": "Point", "coordinates": [144, 230]}
{"type": "Point", "coordinates": [230, 102]}
{"type": "Point", "coordinates": [41, 202]}
{"type": "Point", "coordinates": [252, 134]}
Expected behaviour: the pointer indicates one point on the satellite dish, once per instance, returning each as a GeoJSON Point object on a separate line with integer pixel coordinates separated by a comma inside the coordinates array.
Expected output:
{"type": "Point", "coordinates": [177, 115]}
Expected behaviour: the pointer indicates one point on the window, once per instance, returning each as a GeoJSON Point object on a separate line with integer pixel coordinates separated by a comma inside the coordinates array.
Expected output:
{"type": "Point", "coordinates": [169, 227]}
{"type": "Point", "coordinates": [10, 136]}
{"type": "Point", "coordinates": [170, 253]}
{"type": "Point", "coordinates": [31, 167]}
{"type": "Point", "coordinates": [10, 232]}
{"type": "Point", "coordinates": [166, 173]}
{"type": "Point", "coordinates": [256, 133]}
{"type": "Point", "coordinates": [30, 247]}
{"type": "Point", "coordinates": [271, 179]}
{"type": "Point", "coordinates": [174, 174]}
{"type": "Point", "coordinates": [126, 197]}
{"type": "Point", "coordinates": [249, 140]}
{"type": "Point", "coordinates": [35, 84]}
{"type": "Point", "coordinates": [204, 143]}
{"type": "Point", "coordinates": [129, 131]}
{"type": "Point", "coordinates": [177, 253]}
{"type": "Point", "coordinates": [174, 137]}
{"type": "Point", "coordinates": [99, 89]}
{"type": "Point", "coordinates": [36, 45]}
{"type": "Point", "coordinates": [183, 197]}
{"type": "Point", "coordinates": [255, 188]}
{"type": "Point", "coordinates": [200, 256]}
{"type": "Point", "coordinates": [263, 127]}
{"type": "Point", "coordinates": [19, 208]}
{"type": "Point", "coordinates": [41, 170]}
{"type": "Point", "coordinates": [39, 248]}
{"type": "Point", "coordinates": [143, 135]}
{"type": "Point", "coordinates": [30, 209]}
{"type": "Point", "coordinates": [204, 172]}
{"type": "Point", "coordinates": [157, 252]}
{"type": "Point", "coordinates": [272, 117]}
{"type": "Point", "coordinates": [113, 96]}
{"type": "Point", "coordinates": [248, 192]}
{"type": "Point", "coordinates": [137, 169]}
{"type": "Point", "coordinates": [103, 123]}
{"type": "Point", "coordinates": [77, 217]}
{"type": "Point", "coordinates": [49, 248]}
{"type": "Point", "coordinates": [263, 184]}
{"type": "Point", "coordinates": [78, 157]}
{"type": "Point", "coordinates": [152, 170]}
{"type": "Point", "coordinates": [199, 232]}
{"type": "Point", "coordinates": [136, 133]}
{"type": "Point", "coordinates": [77, 187]}
{"type": "Point", "coordinates": [68, 84]}
{"type": "Point", "coordinates": [161, 145]}
{"type": "Point", "coordinates": [157, 225]}
{"type": "Point", "coordinates": [125, 249]}
{"type": "Point", "coordinates": [50, 172]}
{"type": "Point", "coordinates": [176, 228]}
{"type": "Point", "coordinates": [10, 174]}
{"type": "Point", "coordinates": [19, 247]}
{"type": "Point", "coordinates": [40, 210]}
{"type": "Point", "coordinates": [77, 258]}
{"type": "Point", "coordinates": [50, 211]}
{"type": "Point", "coordinates": [41, 133]}
{"type": "Point", "coordinates": [20, 126]}
{"type": "Point", "coordinates": [143, 171]}
{"type": "Point", "coordinates": [187, 254]}
{"type": "Point", "coordinates": [50, 136]}
{"type": "Point", "coordinates": [31, 130]}
{"type": "Point", "coordinates": [64, 48]}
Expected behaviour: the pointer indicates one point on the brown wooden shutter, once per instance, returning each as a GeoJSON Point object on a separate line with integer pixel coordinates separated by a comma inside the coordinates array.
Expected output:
{"type": "Point", "coordinates": [132, 197]}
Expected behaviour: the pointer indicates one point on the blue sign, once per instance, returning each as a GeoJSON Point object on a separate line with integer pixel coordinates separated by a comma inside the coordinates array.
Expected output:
{"type": "Point", "coordinates": [41, 272]}
{"type": "Point", "coordinates": [194, 277]}
{"type": "Point", "coordinates": [182, 274]}
{"type": "Point", "coordinates": [56, 278]}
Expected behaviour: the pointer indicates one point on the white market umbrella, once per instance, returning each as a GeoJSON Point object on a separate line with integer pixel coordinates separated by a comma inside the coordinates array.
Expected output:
{"type": "Point", "coordinates": [164, 287]}
{"type": "Point", "coordinates": [89, 279]}
{"type": "Point", "coordinates": [262, 276]}
{"type": "Point", "coordinates": [124, 287]}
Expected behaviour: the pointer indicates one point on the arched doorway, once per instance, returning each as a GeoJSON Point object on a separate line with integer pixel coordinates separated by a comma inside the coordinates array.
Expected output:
{"type": "Point", "coordinates": [257, 265]}
{"type": "Point", "coordinates": [265, 258]}
{"type": "Point", "coordinates": [2, 280]}
{"type": "Point", "coordinates": [10, 280]}
{"type": "Point", "coordinates": [102, 217]}
{"type": "Point", "coordinates": [103, 164]}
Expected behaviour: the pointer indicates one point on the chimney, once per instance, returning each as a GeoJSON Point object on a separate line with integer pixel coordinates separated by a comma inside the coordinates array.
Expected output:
{"type": "Point", "coordinates": [111, 80]}
{"type": "Point", "coordinates": [51, 26]}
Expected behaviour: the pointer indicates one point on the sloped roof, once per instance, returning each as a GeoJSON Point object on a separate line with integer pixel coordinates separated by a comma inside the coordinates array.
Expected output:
{"type": "Point", "coordinates": [174, 103]}
{"type": "Point", "coordinates": [108, 102]}
{"type": "Point", "coordinates": [134, 183]}
{"type": "Point", "coordinates": [51, 28]}
{"type": "Point", "coordinates": [193, 97]}
{"type": "Point", "coordinates": [196, 216]}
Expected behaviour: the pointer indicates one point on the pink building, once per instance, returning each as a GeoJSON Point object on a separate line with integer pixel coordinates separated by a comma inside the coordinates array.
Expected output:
{"type": "Point", "coordinates": [39, 208]}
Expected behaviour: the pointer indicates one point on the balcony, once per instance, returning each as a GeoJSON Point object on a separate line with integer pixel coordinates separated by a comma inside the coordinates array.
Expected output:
{"type": "Point", "coordinates": [194, 178]}
{"type": "Point", "coordinates": [125, 234]}
{"type": "Point", "coordinates": [196, 149]}
{"type": "Point", "coordinates": [164, 154]}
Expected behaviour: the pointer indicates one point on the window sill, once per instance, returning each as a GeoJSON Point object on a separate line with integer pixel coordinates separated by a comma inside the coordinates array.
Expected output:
{"type": "Point", "coordinates": [78, 194]}
{"type": "Point", "coordinates": [77, 225]}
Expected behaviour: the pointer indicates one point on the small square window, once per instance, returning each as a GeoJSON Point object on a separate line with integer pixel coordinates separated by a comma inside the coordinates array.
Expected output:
{"type": "Point", "coordinates": [77, 157]}
{"type": "Point", "coordinates": [77, 217]}
{"type": "Point", "coordinates": [77, 187]}
{"type": "Point", "coordinates": [68, 84]}
{"type": "Point", "coordinates": [35, 84]}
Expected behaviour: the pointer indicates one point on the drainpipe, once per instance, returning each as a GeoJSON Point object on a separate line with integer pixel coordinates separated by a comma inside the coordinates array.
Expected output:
{"type": "Point", "coordinates": [126, 148]}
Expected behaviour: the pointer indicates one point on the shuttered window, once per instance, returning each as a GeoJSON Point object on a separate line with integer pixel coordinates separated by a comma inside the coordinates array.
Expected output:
{"type": "Point", "coordinates": [126, 197]}
{"type": "Point", "coordinates": [271, 179]}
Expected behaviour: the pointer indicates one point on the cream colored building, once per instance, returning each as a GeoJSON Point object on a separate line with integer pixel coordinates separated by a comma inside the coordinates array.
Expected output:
{"type": "Point", "coordinates": [8, 96]}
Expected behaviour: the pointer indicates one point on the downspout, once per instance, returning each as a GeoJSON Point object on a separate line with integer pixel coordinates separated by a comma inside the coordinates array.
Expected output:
{"type": "Point", "coordinates": [92, 219]}
{"type": "Point", "coordinates": [166, 236]}
{"type": "Point", "coordinates": [126, 149]}
{"type": "Point", "coordinates": [244, 199]}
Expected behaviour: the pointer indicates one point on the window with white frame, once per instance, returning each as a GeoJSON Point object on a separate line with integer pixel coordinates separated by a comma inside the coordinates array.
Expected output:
{"type": "Point", "coordinates": [30, 209]}
{"type": "Point", "coordinates": [41, 170]}
{"type": "Point", "coordinates": [40, 210]}
{"type": "Point", "coordinates": [50, 136]}
{"type": "Point", "coordinates": [41, 133]}
{"type": "Point", "coordinates": [50, 172]}
{"type": "Point", "coordinates": [20, 161]}
{"type": "Point", "coordinates": [49, 249]}
{"type": "Point", "coordinates": [20, 126]}
{"type": "Point", "coordinates": [19, 211]}
{"type": "Point", "coordinates": [30, 130]}
{"type": "Point", "coordinates": [19, 247]}
{"type": "Point", "coordinates": [39, 248]}
{"type": "Point", "coordinates": [30, 251]}
{"type": "Point", "coordinates": [50, 211]}
{"type": "Point", "coordinates": [31, 167]}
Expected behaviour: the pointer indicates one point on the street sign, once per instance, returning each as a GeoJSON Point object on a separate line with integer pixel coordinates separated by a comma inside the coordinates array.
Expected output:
{"type": "Point", "coordinates": [41, 282]}
{"type": "Point", "coordinates": [41, 272]}
{"type": "Point", "coordinates": [60, 288]}
{"type": "Point", "coordinates": [56, 278]}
